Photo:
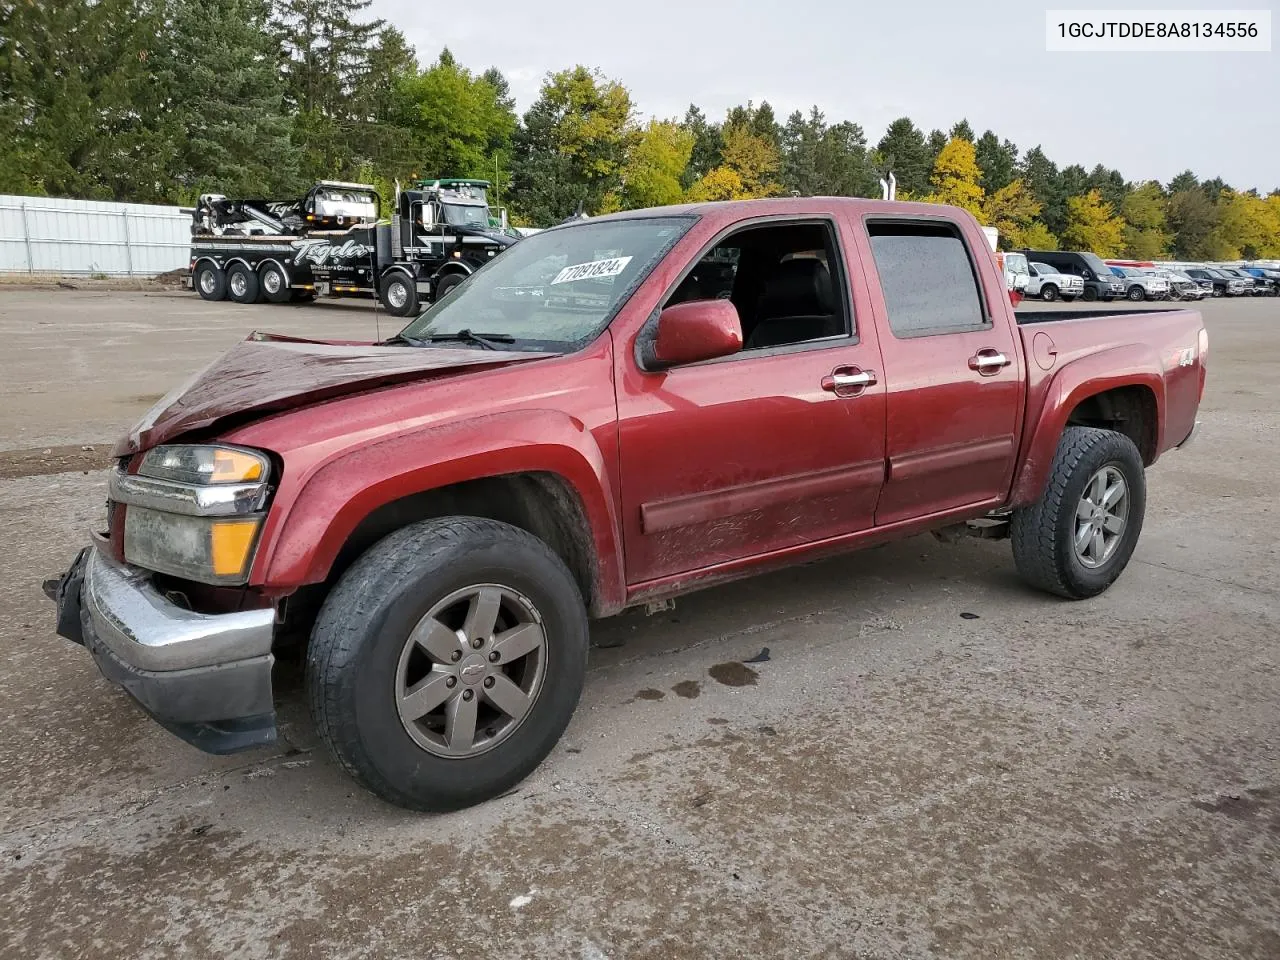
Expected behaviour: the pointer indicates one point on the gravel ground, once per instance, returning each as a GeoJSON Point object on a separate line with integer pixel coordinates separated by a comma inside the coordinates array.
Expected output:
{"type": "Point", "coordinates": [1048, 779]}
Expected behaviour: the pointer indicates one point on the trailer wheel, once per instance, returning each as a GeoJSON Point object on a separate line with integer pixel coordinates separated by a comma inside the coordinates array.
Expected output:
{"type": "Point", "coordinates": [211, 282]}
{"type": "Point", "coordinates": [399, 294]}
{"type": "Point", "coordinates": [242, 284]}
{"type": "Point", "coordinates": [446, 284]}
{"type": "Point", "coordinates": [275, 286]}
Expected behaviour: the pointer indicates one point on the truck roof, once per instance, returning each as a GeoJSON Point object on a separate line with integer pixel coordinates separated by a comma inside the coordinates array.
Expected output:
{"type": "Point", "coordinates": [729, 210]}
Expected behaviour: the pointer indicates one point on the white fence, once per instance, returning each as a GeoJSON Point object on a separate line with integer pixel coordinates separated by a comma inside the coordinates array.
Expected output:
{"type": "Point", "coordinates": [48, 235]}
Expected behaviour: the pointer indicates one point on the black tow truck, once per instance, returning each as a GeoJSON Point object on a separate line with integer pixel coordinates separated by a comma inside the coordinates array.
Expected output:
{"type": "Point", "coordinates": [332, 243]}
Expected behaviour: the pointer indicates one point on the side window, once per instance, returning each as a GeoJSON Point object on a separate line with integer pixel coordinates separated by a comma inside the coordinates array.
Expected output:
{"type": "Point", "coordinates": [786, 281]}
{"type": "Point", "coordinates": [928, 280]}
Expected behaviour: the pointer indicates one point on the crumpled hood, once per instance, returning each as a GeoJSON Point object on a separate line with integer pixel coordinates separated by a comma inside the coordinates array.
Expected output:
{"type": "Point", "coordinates": [267, 373]}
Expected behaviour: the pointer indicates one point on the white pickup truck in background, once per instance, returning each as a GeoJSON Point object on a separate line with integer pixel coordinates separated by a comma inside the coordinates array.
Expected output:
{"type": "Point", "coordinates": [1048, 284]}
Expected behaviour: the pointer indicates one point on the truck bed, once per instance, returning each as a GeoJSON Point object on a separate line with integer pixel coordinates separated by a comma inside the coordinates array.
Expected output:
{"type": "Point", "coordinates": [1050, 316]}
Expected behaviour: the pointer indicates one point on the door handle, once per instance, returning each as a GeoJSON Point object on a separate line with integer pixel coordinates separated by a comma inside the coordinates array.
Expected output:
{"type": "Point", "coordinates": [988, 362]}
{"type": "Point", "coordinates": [848, 381]}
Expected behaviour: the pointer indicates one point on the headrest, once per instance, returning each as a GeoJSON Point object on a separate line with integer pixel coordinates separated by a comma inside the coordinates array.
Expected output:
{"type": "Point", "coordinates": [798, 287]}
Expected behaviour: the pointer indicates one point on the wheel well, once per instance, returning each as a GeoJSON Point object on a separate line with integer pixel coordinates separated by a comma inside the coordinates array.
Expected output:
{"type": "Point", "coordinates": [544, 504]}
{"type": "Point", "coordinates": [1127, 410]}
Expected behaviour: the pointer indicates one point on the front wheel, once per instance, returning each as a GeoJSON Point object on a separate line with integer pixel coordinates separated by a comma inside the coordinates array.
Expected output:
{"type": "Point", "coordinates": [1137, 294]}
{"type": "Point", "coordinates": [1078, 537]}
{"type": "Point", "coordinates": [1049, 292]}
{"type": "Point", "coordinates": [399, 294]}
{"type": "Point", "coordinates": [1090, 294]}
{"type": "Point", "coordinates": [447, 662]}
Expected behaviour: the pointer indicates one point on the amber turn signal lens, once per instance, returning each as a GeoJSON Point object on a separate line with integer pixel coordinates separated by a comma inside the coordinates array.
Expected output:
{"type": "Point", "coordinates": [231, 466]}
{"type": "Point", "coordinates": [231, 541]}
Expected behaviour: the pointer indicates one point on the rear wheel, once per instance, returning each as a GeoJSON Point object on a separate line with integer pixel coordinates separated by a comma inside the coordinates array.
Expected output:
{"type": "Point", "coordinates": [242, 284]}
{"type": "Point", "coordinates": [399, 294]}
{"type": "Point", "coordinates": [275, 286]}
{"type": "Point", "coordinates": [211, 282]}
{"type": "Point", "coordinates": [1079, 536]}
{"type": "Point", "coordinates": [445, 285]}
{"type": "Point", "coordinates": [1049, 292]}
{"type": "Point", "coordinates": [447, 662]}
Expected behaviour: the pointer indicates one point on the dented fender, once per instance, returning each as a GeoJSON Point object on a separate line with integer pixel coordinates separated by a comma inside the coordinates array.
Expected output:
{"type": "Point", "coordinates": [313, 515]}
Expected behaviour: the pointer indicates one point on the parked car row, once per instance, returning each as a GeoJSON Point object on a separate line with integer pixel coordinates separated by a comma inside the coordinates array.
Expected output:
{"type": "Point", "coordinates": [1210, 279]}
{"type": "Point", "coordinates": [1066, 275]}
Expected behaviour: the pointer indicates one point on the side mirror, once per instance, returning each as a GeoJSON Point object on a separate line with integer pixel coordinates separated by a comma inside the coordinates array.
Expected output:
{"type": "Point", "coordinates": [693, 331]}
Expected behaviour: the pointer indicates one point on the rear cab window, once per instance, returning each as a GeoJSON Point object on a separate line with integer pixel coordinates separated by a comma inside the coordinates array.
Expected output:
{"type": "Point", "coordinates": [927, 277]}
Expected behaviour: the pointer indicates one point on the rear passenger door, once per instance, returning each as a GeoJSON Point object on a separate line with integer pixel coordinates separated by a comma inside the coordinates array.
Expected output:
{"type": "Point", "coordinates": [953, 372]}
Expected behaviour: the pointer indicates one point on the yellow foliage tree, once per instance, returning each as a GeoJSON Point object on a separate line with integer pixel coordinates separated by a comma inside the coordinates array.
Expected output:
{"type": "Point", "coordinates": [955, 177]}
{"type": "Point", "coordinates": [749, 168]}
{"type": "Point", "coordinates": [651, 174]}
{"type": "Point", "coordinates": [1248, 226]}
{"type": "Point", "coordinates": [1145, 236]}
{"type": "Point", "coordinates": [722, 183]}
{"type": "Point", "coordinates": [1038, 237]}
{"type": "Point", "coordinates": [1092, 225]}
{"type": "Point", "coordinates": [1013, 210]}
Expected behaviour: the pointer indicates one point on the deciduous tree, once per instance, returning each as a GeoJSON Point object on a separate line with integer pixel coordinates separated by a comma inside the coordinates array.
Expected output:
{"type": "Point", "coordinates": [1092, 225]}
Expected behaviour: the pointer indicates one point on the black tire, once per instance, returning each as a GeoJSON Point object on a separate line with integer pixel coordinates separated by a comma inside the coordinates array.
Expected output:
{"type": "Point", "coordinates": [1136, 294]}
{"type": "Point", "coordinates": [1090, 294]}
{"type": "Point", "coordinates": [1049, 292]}
{"type": "Point", "coordinates": [275, 285]}
{"type": "Point", "coordinates": [242, 284]}
{"type": "Point", "coordinates": [1043, 534]}
{"type": "Point", "coordinates": [1068, 298]}
{"type": "Point", "coordinates": [445, 285]}
{"type": "Point", "coordinates": [1219, 292]}
{"type": "Point", "coordinates": [210, 282]}
{"type": "Point", "coordinates": [399, 294]}
{"type": "Point", "coordinates": [364, 625]}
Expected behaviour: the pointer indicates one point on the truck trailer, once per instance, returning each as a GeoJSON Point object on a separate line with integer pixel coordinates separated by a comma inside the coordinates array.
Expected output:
{"type": "Point", "coordinates": [332, 243]}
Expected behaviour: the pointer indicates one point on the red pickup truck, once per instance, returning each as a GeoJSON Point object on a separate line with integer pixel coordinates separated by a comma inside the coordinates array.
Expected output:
{"type": "Point", "coordinates": [614, 411]}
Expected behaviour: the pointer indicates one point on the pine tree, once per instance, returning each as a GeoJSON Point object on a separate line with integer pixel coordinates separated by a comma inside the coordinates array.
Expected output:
{"type": "Point", "coordinates": [998, 160]}
{"type": "Point", "coordinates": [79, 99]}
{"type": "Point", "coordinates": [801, 141]}
{"type": "Point", "coordinates": [326, 51]}
{"type": "Point", "coordinates": [962, 131]}
{"type": "Point", "coordinates": [226, 117]}
{"type": "Point", "coordinates": [707, 146]}
{"type": "Point", "coordinates": [903, 151]}
{"type": "Point", "coordinates": [1042, 178]}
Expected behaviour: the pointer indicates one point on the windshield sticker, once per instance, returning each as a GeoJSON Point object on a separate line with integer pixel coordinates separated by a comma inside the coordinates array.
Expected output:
{"type": "Point", "coordinates": [592, 270]}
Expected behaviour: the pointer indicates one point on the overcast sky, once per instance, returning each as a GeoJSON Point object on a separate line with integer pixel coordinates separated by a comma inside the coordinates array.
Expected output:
{"type": "Point", "coordinates": [1151, 115]}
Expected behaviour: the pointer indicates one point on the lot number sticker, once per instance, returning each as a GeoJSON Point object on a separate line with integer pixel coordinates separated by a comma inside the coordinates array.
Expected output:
{"type": "Point", "coordinates": [589, 271]}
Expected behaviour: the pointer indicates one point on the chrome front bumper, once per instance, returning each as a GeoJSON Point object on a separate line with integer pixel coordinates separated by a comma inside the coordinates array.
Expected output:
{"type": "Point", "coordinates": [205, 677]}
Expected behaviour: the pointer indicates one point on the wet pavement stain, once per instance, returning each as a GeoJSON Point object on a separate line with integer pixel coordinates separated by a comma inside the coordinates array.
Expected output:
{"type": "Point", "coordinates": [687, 689]}
{"type": "Point", "coordinates": [733, 674]}
{"type": "Point", "coordinates": [648, 693]}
